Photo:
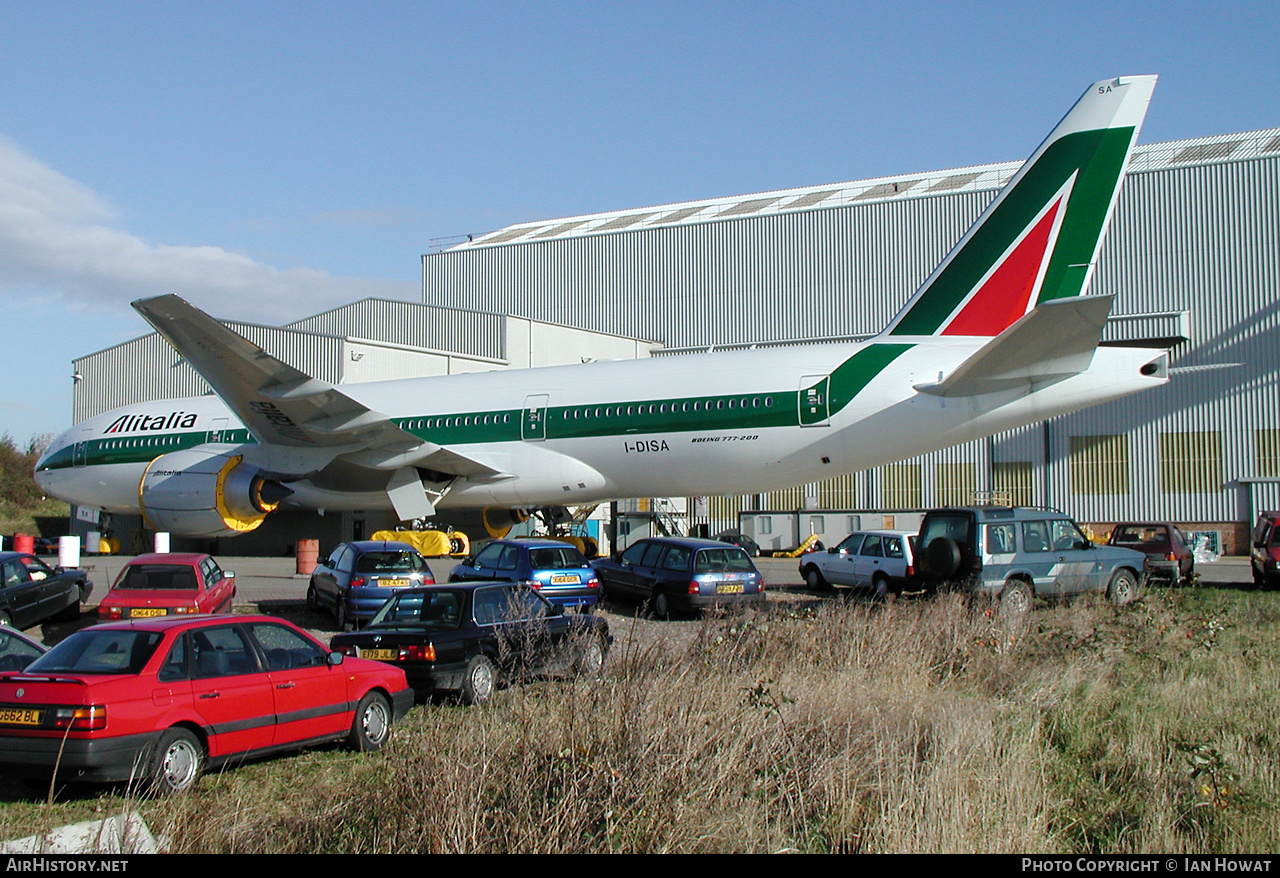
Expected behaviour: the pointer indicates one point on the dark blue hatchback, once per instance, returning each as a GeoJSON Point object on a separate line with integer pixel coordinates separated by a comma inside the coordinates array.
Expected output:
{"type": "Point", "coordinates": [556, 570]}
{"type": "Point", "coordinates": [358, 578]}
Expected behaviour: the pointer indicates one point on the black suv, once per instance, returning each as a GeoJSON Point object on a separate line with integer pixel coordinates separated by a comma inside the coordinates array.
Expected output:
{"type": "Point", "coordinates": [675, 573]}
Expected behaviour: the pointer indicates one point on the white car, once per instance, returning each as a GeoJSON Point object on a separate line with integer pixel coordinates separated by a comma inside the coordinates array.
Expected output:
{"type": "Point", "coordinates": [880, 561]}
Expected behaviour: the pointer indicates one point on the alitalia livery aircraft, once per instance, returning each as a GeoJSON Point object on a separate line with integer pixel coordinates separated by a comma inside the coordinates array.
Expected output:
{"type": "Point", "coordinates": [1000, 335]}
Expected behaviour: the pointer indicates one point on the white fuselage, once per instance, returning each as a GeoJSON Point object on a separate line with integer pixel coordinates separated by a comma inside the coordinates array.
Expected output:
{"type": "Point", "coordinates": [748, 443]}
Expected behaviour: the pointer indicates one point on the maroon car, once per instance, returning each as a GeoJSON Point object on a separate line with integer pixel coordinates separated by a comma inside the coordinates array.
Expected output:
{"type": "Point", "coordinates": [1169, 558]}
{"type": "Point", "coordinates": [1264, 550]}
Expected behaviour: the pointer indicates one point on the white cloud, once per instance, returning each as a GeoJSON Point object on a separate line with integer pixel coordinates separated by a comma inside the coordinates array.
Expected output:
{"type": "Point", "coordinates": [58, 237]}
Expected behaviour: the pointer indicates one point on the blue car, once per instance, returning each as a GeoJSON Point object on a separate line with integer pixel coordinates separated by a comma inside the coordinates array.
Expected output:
{"type": "Point", "coordinates": [556, 570]}
{"type": "Point", "coordinates": [358, 578]}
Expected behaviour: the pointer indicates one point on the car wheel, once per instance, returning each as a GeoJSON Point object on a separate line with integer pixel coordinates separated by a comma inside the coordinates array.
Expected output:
{"type": "Point", "coordinates": [344, 624]}
{"type": "Point", "coordinates": [591, 656]}
{"type": "Point", "coordinates": [1123, 587]}
{"type": "Point", "coordinates": [1015, 599]}
{"type": "Point", "coordinates": [371, 727]}
{"type": "Point", "coordinates": [479, 680]}
{"type": "Point", "coordinates": [313, 601]}
{"type": "Point", "coordinates": [815, 580]}
{"type": "Point", "coordinates": [880, 586]}
{"type": "Point", "coordinates": [179, 760]}
{"type": "Point", "coordinates": [660, 604]}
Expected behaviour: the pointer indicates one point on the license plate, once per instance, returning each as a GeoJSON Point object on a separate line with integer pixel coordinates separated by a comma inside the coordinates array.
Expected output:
{"type": "Point", "coordinates": [146, 612]}
{"type": "Point", "coordinates": [19, 716]}
{"type": "Point", "coordinates": [393, 583]}
{"type": "Point", "coordinates": [381, 655]}
{"type": "Point", "coordinates": [729, 588]}
{"type": "Point", "coordinates": [565, 579]}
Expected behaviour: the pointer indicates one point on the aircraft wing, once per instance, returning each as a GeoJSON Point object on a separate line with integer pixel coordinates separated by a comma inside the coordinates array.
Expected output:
{"type": "Point", "coordinates": [284, 406]}
{"type": "Point", "coordinates": [1054, 340]}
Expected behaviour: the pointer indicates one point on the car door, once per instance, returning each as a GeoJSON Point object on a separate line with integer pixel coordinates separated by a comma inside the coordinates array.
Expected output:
{"type": "Point", "coordinates": [19, 594]}
{"type": "Point", "coordinates": [325, 577]}
{"type": "Point", "coordinates": [231, 690]}
{"type": "Point", "coordinates": [869, 561]}
{"type": "Point", "coordinates": [839, 565]}
{"type": "Point", "coordinates": [311, 698]}
{"type": "Point", "coordinates": [483, 566]}
{"type": "Point", "coordinates": [632, 575]}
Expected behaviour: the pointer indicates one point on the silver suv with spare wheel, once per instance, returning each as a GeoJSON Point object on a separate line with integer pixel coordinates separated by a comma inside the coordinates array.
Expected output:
{"type": "Point", "coordinates": [1019, 553]}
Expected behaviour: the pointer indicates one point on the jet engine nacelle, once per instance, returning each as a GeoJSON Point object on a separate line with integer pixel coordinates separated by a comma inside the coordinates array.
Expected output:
{"type": "Point", "coordinates": [206, 494]}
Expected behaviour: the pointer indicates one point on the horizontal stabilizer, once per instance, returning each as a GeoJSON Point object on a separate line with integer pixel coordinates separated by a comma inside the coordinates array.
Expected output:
{"type": "Point", "coordinates": [1054, 341]}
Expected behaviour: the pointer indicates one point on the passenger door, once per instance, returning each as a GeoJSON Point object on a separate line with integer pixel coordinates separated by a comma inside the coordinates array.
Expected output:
{"type": "Point", "coordinates": [231, 690]}
{"type": "Point", "coordinates": [311, 698]}
{"type": "Point", "coordinates": [839, 565]}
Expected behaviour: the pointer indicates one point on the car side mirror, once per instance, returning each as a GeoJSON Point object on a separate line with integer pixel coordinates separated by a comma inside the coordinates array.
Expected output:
{"type": "Point", "coordinates": [334, 659]}
{"type": "Point", "coordinates": [228, 574]}
{"type": "Point", "coordinates": [834, 551]}
{"type": "Point", "coordinates": [557, 610]}
{"type": "Point", "coordinates": [1083, 544]}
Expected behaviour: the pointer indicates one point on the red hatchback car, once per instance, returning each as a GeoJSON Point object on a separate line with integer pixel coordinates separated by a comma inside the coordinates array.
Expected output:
{"type": "Point", "coordinates": [169, 584]}
{"type": "Point", "coordinates": [160, 700]}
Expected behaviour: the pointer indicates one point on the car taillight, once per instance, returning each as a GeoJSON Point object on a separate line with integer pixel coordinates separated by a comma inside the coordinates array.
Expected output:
{"type": "Point", "coordinates": [418, 653]}
{"type": "Point", "coordinates": [1171, 557]}
{"type": "Point", "coordinates": [357, 581]}
{"type": "Point", "coordinates": [693, 587]}
{"type": "Point", "coordinates": [593, 583]}
{"type": "Point", "coordinates": [534, 584]}
{"type": "Point", "coordinates": [110, 613]}
{"type": "Point", "coordinates": [80, 719]}
{"type": "Point", "coordinates": [186, 610]}
{"type": "Point", "coordinates": [911, 570]}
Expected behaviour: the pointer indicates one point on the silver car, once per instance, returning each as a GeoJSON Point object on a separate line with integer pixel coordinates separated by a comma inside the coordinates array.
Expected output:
{"type": "Point", "coordinates": [1019, 553]}
{"type": "Point", "coordinates": [879, 561]}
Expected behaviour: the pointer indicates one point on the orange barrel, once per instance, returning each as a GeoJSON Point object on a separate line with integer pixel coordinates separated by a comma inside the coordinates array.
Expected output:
{"type": "Point", "coordinates": [308, 553]}
{"type": "Point", "coordinates": [24, 543]}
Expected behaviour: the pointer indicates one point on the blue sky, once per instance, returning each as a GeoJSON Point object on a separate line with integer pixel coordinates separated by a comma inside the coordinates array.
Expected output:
{"type": "Point", "coordinates": [270, 160]}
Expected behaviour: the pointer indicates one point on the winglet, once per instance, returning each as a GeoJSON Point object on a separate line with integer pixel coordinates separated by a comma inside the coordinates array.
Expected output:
{"type": "Point", "coordinates": [1038, 241]}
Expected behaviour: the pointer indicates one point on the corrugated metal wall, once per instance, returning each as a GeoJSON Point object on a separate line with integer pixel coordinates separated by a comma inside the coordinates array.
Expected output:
{"type": "Point", "coordinates": [1194, 249]}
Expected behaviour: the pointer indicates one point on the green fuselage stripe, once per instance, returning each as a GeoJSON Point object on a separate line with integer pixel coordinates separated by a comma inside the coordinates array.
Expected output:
{"type": "Point", "coordinates": [737, 411]}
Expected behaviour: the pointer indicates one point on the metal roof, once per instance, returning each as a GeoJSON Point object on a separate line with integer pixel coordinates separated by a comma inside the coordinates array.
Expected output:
{"type": "Point", "coordinates": [1149, 157]}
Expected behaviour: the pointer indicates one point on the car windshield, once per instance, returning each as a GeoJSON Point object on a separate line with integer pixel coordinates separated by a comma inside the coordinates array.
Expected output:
{"type": "Point", "coordinates": [388, 562]}
{"type": "Point", "coordinates": [157, 577]}
{"type": "Point", "coordinates": [431, 610]}
{"type": "Point", "coordinates": [98, 651]}
{"type": "Point", "coordinates": [732, 560]}
{"type": "Point", "coordinates": [559, 557]}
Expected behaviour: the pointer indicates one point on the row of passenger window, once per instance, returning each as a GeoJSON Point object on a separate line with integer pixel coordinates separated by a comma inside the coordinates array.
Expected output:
{"type": "Point", "coordinates": [654, 408]}
{"type": "Point", "coordinates": [609, 411]}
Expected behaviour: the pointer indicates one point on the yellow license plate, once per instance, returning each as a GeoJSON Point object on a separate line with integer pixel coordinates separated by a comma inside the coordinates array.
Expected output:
{"type": "Point", "coordinates": [393, 583]}
{"type": "Point", "coordinates": [565, 579]}
{"type": "Point", "coordinates": [381, 655]}
{"type": "Point", "coordinates": [729, 588]}
{"type": "Point", "coordinates": [146, 612]}
{"type": "Point", "coordinates": [19, 716]}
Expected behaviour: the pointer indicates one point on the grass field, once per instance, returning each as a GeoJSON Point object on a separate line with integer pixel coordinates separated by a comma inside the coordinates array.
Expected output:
{"type": "Point", "coordinates": [920, 726]}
